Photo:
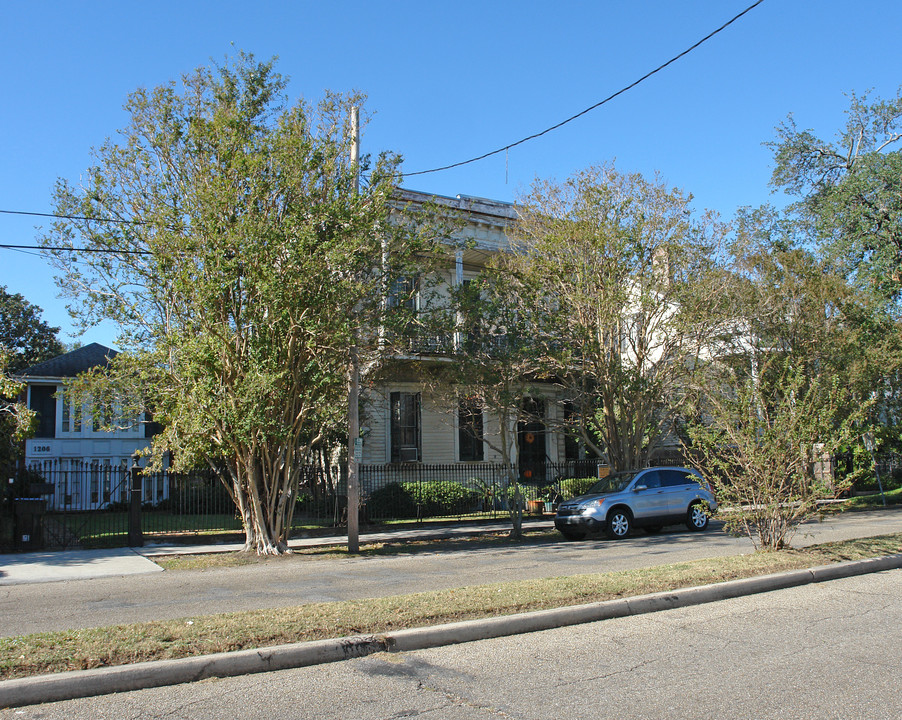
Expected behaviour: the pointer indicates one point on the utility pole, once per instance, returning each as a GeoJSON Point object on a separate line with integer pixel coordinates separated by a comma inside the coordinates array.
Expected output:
{"type": "Point", "coordinates": [354, 442]}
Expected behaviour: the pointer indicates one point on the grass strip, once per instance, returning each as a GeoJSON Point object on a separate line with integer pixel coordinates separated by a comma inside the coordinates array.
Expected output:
{"type": "Point", "coordinates": [122, 644]}
{"type": "Point", "coordinates": [870, 502]}
{"type": "Point", "coordinates": [494, 539]}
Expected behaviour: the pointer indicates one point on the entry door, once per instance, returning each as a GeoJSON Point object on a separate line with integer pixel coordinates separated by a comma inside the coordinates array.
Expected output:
{"type": "Point", "coordinates": [531, 441]}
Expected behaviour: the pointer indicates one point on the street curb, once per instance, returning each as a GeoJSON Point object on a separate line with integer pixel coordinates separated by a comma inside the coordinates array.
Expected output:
{"type": "Point", "coordinates": [159, 673]}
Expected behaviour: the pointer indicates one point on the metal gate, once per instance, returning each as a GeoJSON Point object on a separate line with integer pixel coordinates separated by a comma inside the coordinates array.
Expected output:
{"type": "Point", "coordinates": [86, 503]}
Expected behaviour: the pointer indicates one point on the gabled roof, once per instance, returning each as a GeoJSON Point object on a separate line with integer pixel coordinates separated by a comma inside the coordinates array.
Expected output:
{"type": "Point", "coordinates": [72, 363]}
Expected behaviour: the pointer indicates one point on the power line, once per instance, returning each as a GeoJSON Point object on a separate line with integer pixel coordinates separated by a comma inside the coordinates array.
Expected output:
{"type": "Point", "coordinates": [75, 250]}
{"type": "Point", "coordinates": [399, 175]}
{"type": "Point", "coordinates": [21, 249]}
{"type": "Point", "coordinates": [76, 217]}
{"type": "Point", "coordinates": [588, 109]}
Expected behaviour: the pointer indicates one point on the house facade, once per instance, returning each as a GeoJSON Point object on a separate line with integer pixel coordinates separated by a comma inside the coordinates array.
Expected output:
{"type": "Point", "coordinates": [71, 449]}
{"type": "Point", "coordinates": [406, 422]}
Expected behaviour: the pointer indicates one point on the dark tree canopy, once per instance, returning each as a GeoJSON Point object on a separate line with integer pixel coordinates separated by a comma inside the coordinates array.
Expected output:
{"type": "Point", "coordinates": [850, 190]}
{"type": "Point", "coordinates": [25, 336]}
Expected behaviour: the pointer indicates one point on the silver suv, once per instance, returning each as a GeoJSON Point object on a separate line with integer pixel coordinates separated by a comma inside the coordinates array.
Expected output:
{"type": "Point", "coordinates": [649, 498]}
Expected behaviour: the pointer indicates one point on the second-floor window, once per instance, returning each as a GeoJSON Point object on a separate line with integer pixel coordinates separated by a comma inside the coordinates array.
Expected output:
{"type": "Point", "coordinates": [404, 293]}
{"type": "Point", "coordinates": [43, 402]}
{"type": "Point", "coordinates": [102, 417]}
{"type": "Point", "coordinates": [71, 414]}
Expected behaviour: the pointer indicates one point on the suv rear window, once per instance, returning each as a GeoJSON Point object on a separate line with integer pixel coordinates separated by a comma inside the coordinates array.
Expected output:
{"type": "Point", "coordinates": [672, 478]}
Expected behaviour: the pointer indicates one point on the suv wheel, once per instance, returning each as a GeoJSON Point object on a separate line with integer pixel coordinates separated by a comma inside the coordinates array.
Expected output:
{"type": "Point", "coordinates": [697, 517]}
{"type": "Point", "coordinates": [619, 524]}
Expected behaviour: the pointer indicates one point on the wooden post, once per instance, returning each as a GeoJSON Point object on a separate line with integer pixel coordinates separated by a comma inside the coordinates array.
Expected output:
{"type": "Point", "coordinates": [354, 383]}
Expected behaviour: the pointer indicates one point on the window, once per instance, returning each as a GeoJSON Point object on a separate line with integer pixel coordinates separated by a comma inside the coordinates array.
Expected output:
{"type": "Point", "coordinates": [95, 482]}
{"type": "Point", "coordinates": [469, 430]}
{"type": "Point", "coordinates": [67, 416]}
{"type": "Point", "coordinates": [675, 478]}
{"type": "Point", "coordinates": [469, 314]}
{"type": "Point", "coordinates": [403, 293]}
{"type": "Point", "coordinates": [71, 415]}
{"type": "Point", "coordinates": [571, 438]}
{"type": "Point", "coordinates": [103, 416]}
{"type": "Point", "coordinates": [43, 402]}
{"type": "Point", "coordinates": [405, 427]}
{"type": "Point", "coordinates": [651, 480]}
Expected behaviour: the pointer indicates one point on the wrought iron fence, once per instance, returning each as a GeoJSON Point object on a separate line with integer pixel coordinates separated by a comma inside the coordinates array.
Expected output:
{"type": "Point", "coordinates": [86, 504]}
{"type": "Point", "coordinates": [459, 491]}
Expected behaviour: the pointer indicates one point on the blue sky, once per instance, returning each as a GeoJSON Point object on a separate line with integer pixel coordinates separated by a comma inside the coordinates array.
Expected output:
{"type": "Point", "coordinates": [449, 81]}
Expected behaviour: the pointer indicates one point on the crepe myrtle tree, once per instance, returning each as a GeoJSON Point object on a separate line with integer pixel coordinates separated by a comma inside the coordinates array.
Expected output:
{"type": "Point", "coordinates": [626, 278]}
{"type": "Point", "coordinates": [223, 232]}
{"type": "Point", "coordinates": [496, 371]}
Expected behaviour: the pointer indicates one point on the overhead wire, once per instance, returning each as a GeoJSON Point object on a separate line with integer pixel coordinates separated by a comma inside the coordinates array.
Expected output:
{"type": "Point", "coordinates": [591, 107]}
{"type": "Point", "coordinates": [506, 148]}
{"type": "Point", "coordinates": [120, 251]}
{"type": "Point", "coordinates": [119, 221]}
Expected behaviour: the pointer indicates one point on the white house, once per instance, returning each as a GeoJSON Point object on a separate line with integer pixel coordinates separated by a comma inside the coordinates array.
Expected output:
{"type": "Point", "coordinates": [70, 449]}
{"type": "Point", "coordinates": [404, 424]}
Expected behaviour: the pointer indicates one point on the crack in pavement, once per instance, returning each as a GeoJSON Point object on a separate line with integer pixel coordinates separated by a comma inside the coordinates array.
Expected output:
{"type": "Point", "coordinates": [460, 701]}
{"type": "Point", "coordinates": [606, 676]}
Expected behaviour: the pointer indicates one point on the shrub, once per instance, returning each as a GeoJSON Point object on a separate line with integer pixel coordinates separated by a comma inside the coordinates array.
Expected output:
{"type": "Point", "coordinates": [391, 501]}
{"type": "Point", "coordinates": [420, 499]}
{"type": "Point", "coordinates": [324, 505]}
{"type": "Point", "coordinates": [442, 498]}
{"type": "Point", "coordinates": [571, 487]}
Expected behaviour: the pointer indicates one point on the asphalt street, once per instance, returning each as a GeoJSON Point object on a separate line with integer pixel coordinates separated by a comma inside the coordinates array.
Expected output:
{"type": "Point", "coordinates": [94, 602]}
{"type": "Point", "coordinates": [828, 650]}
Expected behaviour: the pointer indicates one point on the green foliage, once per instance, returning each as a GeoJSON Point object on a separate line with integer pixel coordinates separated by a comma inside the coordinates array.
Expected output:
{"type": "Point", "coordinates": [762, 440]}
{"type": "Point", "coordinates": [791, 384]}
{"type": "Point", "coordinates": [17, 422]}
{"type": "Point", "coordinates": [625, 277]}
{"type": "Point", "coordinates": [867, 480]}
{"type": "Point", "coordinates": [421, 499]}
{"type": "Point", "coordinates": [391, 501]}
{"type": "Point", "coordinates": [26, 338]}
{"type": "Point", "coordinates": [573, 487]}
{"type": "Point", "coordinates": [850, 190]}
{"type": "Point", "coordinates": [252, 265]}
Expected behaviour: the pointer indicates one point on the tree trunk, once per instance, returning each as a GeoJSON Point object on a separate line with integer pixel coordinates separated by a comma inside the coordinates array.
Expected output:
{"type": "Point", "coordinates": [265, 505]}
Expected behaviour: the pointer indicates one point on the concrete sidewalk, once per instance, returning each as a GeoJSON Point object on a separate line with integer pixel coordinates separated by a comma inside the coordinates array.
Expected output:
{"type": "Point", "coordinates": [58, 566]}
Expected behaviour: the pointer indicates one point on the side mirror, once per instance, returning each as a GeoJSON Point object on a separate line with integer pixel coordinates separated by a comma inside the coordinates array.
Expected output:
{"type": "Point", "coordinates": [640, 487]}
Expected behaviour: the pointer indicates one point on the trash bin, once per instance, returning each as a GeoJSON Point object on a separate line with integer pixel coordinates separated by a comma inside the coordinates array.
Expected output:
{"type": "Point", "coordinates": [29, 523]}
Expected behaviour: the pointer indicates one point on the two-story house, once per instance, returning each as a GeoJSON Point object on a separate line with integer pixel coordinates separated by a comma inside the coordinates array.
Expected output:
{"type": "Point", "coordinates": [72, 448]}
{"type": "Point", "coordinates": [406, 423]}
